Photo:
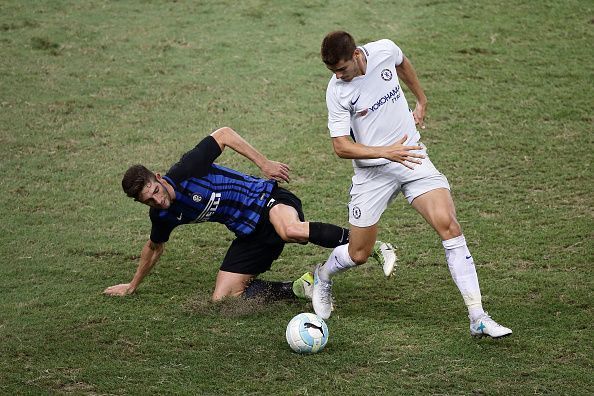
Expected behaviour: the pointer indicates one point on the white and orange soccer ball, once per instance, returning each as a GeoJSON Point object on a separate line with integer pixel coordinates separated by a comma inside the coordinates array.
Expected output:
{"type": "Point", "coordinates": [307, 333]}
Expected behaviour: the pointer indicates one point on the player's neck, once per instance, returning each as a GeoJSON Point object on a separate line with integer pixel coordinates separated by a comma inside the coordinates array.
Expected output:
{"type": "Point", "coordinates": [169, 188]}
{"type": "Point", "coordinates": [361, 60]}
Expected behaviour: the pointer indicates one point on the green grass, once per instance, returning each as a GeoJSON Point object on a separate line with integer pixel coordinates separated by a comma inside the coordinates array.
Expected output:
{"type": "Point", "coordinates": [88, 88]}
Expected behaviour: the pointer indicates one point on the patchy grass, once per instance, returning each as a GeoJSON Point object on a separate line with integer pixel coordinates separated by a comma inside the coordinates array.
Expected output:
{"type": "Point", "coordinates": [88, 88]}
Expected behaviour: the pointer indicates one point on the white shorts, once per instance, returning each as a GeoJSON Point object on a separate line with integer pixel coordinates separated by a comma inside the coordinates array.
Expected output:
{"type": "Point", "coordinates": [374, 187]}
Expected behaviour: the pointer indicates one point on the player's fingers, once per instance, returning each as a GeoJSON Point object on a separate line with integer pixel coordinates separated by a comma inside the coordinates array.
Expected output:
{"type": "Point", "coordinates": [402, 140]}
{"type": "Point", "coordinates": [408, 148]}
{"type": "Point", "coordinates": [282, 177]}
{"type": "Point", "coordinates": [405, 164]}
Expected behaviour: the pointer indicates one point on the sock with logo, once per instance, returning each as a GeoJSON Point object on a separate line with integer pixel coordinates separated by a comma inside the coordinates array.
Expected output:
{"type": "Point", "coordinates": [269, 291]}
{"type": "Point", "coordinates": [463, 272]}
{"type": "Point", "coordinates": [327, 235]}
{"type": "Point", "coordinates": [338, 261]}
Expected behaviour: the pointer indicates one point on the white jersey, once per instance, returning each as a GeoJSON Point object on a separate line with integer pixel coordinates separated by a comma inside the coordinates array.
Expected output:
{"type": "Point", "coordinates": [372, 107]}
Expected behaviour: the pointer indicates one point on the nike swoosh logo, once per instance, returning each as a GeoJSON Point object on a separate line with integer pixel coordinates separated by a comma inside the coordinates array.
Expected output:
{"type": "Point", "coordinates": [308, 283]}
{"type": "Point", "coordinates": [180, 216]}
{"type": "Point", "coordinates": [356, 100]}
{"type": "Point", "coordinates": [467, 257]}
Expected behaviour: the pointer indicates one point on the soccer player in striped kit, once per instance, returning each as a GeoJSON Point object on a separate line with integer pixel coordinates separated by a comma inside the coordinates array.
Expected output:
{"type": "Point", "coordinates": [370, 122]}
{"type": "Point", "coordinates": [262, 215]}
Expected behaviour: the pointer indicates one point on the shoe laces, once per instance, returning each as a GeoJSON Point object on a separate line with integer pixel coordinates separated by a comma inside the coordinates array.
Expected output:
{"type": "Point", "coordinates": [487, 318]}
{"type": "Point", "coordinates": [326, 295]}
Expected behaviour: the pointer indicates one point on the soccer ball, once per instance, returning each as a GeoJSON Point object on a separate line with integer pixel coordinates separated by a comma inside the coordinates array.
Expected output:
{"type": "Point", "coordinates": [307, 333]}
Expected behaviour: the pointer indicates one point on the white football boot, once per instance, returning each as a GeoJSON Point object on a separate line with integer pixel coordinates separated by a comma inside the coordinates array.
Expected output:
{"type": "Point", "coordinates": [322, 296]}
{"type": "Point", "coordinates": [485, 326]}
{"type": "Point", "coordinates": [384, 253]}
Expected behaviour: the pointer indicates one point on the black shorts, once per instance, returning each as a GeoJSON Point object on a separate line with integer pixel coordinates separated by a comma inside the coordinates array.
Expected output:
{"type": "Point", "coordinates": [254, 253]}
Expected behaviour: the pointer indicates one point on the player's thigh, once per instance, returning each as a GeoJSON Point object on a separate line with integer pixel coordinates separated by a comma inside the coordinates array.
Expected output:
{"type": "Point", "coordinates": [361, 241]}
{"type": "Point", "coordinates": [285, 220]}
{"type": "Point", "coordinates": [230, 284]}
{"type": "Point", "coordinates": [437, 208]}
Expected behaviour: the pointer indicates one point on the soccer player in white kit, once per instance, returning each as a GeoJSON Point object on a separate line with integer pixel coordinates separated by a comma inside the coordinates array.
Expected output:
{"type": "Point", "coordinates": [370, 122]}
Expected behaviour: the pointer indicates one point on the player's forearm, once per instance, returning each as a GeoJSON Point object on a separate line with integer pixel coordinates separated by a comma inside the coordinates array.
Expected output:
{"type": "Point", "coordinates": [150, 254]}
{"type": "Point", "coordinates": [351, 150]}
{"type": "Point", "coordinates": [227, 137]}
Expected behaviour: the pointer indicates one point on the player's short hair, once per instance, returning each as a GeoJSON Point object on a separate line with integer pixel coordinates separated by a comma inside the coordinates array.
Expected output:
{"type": "Point", "coordinates": [135, 178]}
{"type": "Point", "coordinates": [337, 46]}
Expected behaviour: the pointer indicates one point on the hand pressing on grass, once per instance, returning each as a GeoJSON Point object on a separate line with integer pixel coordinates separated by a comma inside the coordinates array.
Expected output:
{"type": "Point", "coordinates": [122, 289]}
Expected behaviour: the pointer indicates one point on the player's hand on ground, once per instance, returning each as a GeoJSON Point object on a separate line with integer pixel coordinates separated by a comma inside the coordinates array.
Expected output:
{"type": "Point", "coordinates": [122, 289]}
{"type": "Point", "coordinates": [419, 115]}
{"type": "Point", "coordinates": [276, 170]}
{"type": "Point", "coordinates": [397, 152]}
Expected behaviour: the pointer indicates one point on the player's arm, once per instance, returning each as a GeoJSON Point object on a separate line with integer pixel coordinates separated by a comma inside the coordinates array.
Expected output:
{"type": "Point", "coordinates": [406, 72]}
{"type": "Point", "coordinates": [227, 137]}
{"type": "Point", "coordinates": [148, 258]}
{"type": "Point", "coordinates": [345, 147]}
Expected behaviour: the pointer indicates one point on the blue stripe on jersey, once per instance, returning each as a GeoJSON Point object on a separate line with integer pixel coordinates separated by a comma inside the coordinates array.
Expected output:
{"type": "Point", "coordinates": [223, 196]}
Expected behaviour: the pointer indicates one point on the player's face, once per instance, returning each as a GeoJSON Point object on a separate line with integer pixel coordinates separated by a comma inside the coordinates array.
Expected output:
{"type": "Point", "coordinates": [346, 70]}
{"type": "Point", "coordinates": [155, 195]}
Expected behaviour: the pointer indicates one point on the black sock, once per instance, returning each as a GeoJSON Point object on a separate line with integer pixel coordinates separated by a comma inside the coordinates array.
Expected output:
{"type": "Point", "coordinates": [269, 291]}
{"type": "Point", "coordinates": [327, 235]}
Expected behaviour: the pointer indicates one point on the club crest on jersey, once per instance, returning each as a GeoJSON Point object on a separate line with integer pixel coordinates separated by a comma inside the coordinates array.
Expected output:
{"type": "Point", "coordinates": [196, 198]}
{"type": "Point", "coordinates": [386, 75]}
{"type": "Point", "coordinates": [356, 212]}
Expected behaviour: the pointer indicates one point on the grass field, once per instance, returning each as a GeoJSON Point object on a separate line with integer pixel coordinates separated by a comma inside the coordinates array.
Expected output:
{"type": "Point", "coordinates": [89, 87]}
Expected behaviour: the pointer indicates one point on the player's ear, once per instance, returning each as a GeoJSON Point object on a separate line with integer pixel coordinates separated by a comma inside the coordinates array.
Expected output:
{"type": "Point", "coordinates": [158, 176]}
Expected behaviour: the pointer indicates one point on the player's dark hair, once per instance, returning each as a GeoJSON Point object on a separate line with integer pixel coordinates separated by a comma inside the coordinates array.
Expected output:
{"type": "Point", "coordinates": [337, 46]}
{"type": "Point", "coordinates": [135, 178]}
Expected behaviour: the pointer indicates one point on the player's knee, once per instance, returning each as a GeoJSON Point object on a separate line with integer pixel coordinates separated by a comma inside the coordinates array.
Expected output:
{"type": "Point", "coordinates": [220, 294]}
{"type": "Point", "coordinates": [450, 229]}
{"type": "Point", "coordinates": [359, 256]}
{"type": "Point", "coordinates": [216, 296]}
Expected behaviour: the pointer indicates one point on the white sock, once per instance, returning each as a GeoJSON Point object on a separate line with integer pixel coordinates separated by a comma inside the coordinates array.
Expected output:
{"type": "Point", "coordinates": [338, 261]}
{"type": "Point", "coordinates": [461, 267]}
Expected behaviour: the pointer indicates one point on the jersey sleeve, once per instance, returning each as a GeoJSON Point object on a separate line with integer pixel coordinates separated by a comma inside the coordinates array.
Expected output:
{"type": "Point", "coordinates": [339, 117]}
{"type": "Point", "coordinates": [160, 230]}
{"type": "Point", "coordinates": [196, 162]}
{"type": "Point", "coordinates": [395, 51]}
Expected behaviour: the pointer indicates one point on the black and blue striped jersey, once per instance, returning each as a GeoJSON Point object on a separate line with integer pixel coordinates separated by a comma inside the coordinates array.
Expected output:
{"type": "Point", "coordinates": [205, 191]}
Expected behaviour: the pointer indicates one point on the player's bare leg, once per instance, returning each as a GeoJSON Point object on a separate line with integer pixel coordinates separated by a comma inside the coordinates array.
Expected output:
{"type": "Point", "coordinates": [287, 224]}
{"type": "Point", "coordinates": [290, 228]}
{"type": "Point", "coordinates": [361, 243]}
{"type": "Point", "coordinates": [437, 207]}
{"type": "Point", "coordinates": [230, 284]}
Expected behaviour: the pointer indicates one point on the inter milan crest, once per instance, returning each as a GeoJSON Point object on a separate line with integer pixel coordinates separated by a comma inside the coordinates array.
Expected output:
{"type": "Point", "coordinates": [386, 75]}
{"type": "Point", "coordinates": [196, 198]}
